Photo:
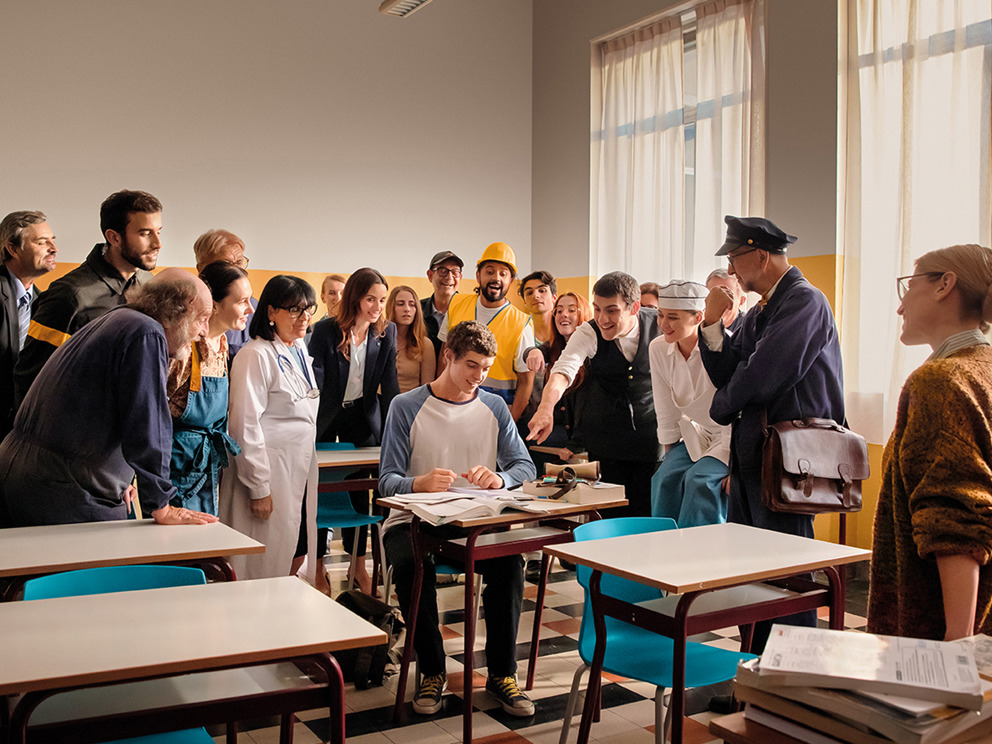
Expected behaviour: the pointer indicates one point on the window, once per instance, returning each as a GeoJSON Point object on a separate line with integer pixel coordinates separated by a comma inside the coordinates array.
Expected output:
{"type": "Point", "coordinates": [676, 143]}
{"type": "Point", "coordinates": [915, 160]}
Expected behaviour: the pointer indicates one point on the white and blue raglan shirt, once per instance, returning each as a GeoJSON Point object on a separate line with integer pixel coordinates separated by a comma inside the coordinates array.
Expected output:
{"type": "Point", "coordinates": [424, 432]}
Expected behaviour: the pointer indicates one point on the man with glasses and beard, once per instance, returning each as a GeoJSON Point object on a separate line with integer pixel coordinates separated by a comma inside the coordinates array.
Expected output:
{"type": "Point", "coordinates": [130, 222]}
{"type": "Point", "coordinates": [509, 377]}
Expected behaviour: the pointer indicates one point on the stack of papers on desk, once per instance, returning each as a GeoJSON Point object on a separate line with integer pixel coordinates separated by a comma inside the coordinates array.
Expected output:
{"type": "Point", "coordinates": [826, 685]}
{"type": "Point", "coordinates": [468, 503]}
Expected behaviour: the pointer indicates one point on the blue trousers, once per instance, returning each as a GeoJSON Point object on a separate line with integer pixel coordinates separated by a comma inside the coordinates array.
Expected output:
{"type": "Point", "coordinates": [689, 492]}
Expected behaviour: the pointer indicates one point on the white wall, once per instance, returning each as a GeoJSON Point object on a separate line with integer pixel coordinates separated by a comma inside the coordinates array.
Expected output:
{"type": "Point", "coordinates": [325, 134]}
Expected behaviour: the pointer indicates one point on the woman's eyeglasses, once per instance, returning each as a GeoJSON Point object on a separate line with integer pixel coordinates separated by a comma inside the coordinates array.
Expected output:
{"type": "Point", "coordinates": [902, 282]}
{"type": "Point", "coordinates": [296, 311]}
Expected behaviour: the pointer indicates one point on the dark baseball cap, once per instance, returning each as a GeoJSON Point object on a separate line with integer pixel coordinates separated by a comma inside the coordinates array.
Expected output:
{"type": "Point", "coordinates": [756, 232]}
{"type": "Point", "coordinates": [445, 256]}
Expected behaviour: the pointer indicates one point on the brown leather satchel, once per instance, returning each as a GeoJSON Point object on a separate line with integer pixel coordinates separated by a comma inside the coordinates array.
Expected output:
{"type": "Point", "coordinates": [812, 465]}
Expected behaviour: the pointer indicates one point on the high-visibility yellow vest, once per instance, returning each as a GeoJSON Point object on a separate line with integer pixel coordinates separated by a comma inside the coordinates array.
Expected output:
{"type": "Point", "coordinates": [506, 326]}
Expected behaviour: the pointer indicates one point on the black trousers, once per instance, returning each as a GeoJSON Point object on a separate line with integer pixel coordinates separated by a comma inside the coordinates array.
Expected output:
{"type": "Point", "coordinates": [501, 598]}
{"type": "Point", "coordinates": [635, 477]}
{"type": "Point", "coordinates": [352, 426]}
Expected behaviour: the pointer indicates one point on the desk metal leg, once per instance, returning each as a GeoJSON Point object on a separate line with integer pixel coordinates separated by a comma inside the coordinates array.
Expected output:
{"type": "Point", "coordinates": [469, 664]}
{"type": "Point", "coordinates": [535, 636]}
{"type": "Point", "coordinates": [837, 598]}
{"type": "Point", "coordinates": [594, 688]}
{"type": "Point", "coordinates": [411, 621]}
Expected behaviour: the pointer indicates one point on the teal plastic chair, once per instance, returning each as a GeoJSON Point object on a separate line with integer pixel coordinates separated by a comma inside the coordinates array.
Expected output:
{"type": "Point", "coordinates": [123, 579]}
{"type": "Point", "coordinates": [334, 510]}
{"type": "Point", "coordinates": [111, 579]}
{"type": "Point", "coordinates": [633, 652]}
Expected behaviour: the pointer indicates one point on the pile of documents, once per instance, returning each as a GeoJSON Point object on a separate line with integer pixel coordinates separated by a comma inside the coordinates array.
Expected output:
{"type": "Point", "coordinates": [827, 686]}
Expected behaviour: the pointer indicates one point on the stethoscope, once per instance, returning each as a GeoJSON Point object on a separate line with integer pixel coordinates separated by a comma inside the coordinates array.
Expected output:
{"type": "Point", "coordinates": [300, 384]}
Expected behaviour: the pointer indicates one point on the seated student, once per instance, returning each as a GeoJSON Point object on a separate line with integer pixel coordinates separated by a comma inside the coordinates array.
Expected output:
{"type": "Point", "coordinates": [688, 485]}
{"type": "Point", "coordinates": [450, 432]}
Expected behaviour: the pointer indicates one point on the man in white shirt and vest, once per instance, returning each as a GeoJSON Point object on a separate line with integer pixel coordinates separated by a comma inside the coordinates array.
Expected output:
{"type": "Point", "coordinates": [618, 422]}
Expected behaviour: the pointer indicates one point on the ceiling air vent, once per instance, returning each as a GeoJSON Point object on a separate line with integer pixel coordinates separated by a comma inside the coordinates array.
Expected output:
{"type": "Point", "coordinates": [401, 8]}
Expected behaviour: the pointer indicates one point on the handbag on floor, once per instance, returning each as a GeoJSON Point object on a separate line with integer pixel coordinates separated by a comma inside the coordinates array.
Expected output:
{"type": "Point", "coordinates": [366, 667]}
{"type": "Point", "coordinates": [812, 466]}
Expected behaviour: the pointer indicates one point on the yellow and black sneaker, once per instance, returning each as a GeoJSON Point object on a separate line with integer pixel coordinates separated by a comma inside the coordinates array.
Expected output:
{"type": "Point", "coordinates": [510, 696]}
{"type": "Point", "coordinates": [428, 699]}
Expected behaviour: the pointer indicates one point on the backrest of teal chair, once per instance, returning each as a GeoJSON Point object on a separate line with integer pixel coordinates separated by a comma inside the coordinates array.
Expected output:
{"type": "Point", "coordinates": [613, 586]}
{"type": "Point", "coordinates": [111, 579]}
{"type": "Point", "coordinates": [328, 476]}
{"type": "Point", "coordinates": [599, 529]}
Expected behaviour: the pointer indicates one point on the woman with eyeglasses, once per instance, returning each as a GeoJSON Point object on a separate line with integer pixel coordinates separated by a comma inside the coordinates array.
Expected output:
{"type": "Point", "coordinates": [273, 414]}
{"type": "Point", "coordinates": [354, 357]}
{"type": "Point", "coordinates": [930, 569]}
{"type": "Point", "coordinates": [198, 393]}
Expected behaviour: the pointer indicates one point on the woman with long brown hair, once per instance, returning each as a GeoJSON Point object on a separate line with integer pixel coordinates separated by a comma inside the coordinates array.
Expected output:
{"type": "Point", "coordinates": [354, 360]}
{"type": "Point", "coordinates": [415, 360]}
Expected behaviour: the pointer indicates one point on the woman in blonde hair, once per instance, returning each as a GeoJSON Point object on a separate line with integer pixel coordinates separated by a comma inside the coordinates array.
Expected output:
{"type": "Point", "coordinates": [930, 572]}
{"type": "Point", "coordinates": [415, 362]}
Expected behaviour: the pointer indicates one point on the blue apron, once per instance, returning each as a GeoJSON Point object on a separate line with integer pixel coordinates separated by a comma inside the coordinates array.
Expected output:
{"type": "Point", "coordinates": [200, 442]}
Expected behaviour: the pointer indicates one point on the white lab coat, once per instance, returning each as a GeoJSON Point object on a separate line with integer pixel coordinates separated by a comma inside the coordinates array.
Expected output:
{"type": "Point", "coordinates": [275, 424]}
{"type": "Point", "coordinates": [682, 397]}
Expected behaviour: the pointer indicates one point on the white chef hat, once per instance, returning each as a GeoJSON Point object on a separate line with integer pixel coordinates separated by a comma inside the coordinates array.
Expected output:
{"type": "Point", "coordinates": [680, 294]}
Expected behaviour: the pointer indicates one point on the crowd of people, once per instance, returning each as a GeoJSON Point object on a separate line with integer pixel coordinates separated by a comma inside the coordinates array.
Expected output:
{"type": "Point", "coordinates": [187, 396]}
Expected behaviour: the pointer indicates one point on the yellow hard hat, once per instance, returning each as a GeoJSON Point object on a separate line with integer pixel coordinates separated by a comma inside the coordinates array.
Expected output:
{"type": "Point", "coordinates": [499, 252]}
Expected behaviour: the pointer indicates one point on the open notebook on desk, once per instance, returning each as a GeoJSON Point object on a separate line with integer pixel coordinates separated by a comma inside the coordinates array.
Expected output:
{"type": "Point", "coordinates": [469, 503]}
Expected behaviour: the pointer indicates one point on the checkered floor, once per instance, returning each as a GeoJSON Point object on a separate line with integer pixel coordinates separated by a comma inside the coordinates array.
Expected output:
{"type": "Point", "coordinates": [628, 707]}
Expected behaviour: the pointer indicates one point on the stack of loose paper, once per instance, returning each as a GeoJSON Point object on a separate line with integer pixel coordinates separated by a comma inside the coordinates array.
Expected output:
{"type": "Point", "coordinates": [826, 685]}
{"type": "Point", "coordinates": [467, 503]}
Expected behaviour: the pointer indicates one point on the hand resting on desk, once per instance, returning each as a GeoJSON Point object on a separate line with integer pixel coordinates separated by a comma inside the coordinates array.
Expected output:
{"type": "Point", "coordinates": [170, 514]}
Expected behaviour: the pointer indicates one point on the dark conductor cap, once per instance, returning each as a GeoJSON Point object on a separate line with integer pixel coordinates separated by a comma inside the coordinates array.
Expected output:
{"type": "Point", "coordinates": [754, 232]}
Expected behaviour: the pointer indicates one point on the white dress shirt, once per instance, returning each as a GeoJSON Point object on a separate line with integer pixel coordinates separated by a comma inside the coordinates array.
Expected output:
{"type": "Point", "coordinates": [583, 344]}
{"type": "Point", "coordinates": [682, 397]}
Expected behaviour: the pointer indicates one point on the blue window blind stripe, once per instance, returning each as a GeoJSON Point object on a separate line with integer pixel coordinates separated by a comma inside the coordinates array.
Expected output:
{"type": "Point", "coordinates": [975, 35]}
{"type": "Point", "coordinates": [673, 119]}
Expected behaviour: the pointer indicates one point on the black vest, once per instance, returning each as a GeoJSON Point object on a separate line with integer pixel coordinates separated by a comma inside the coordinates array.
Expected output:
{"type": "Point", "coordinates": [618, 421]}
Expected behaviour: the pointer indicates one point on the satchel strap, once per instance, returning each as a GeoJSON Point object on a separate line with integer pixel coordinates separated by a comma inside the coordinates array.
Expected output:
{"type": "Point", "coordinates": [564, 482]}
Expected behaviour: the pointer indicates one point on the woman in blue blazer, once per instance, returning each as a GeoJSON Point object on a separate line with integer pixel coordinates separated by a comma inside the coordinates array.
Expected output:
{"type": "Point", "coordinates": [354, 361]}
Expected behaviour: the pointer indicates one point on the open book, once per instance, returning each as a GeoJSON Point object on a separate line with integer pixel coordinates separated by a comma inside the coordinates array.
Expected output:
{"type": "Point", "coordinates": [469, 503]}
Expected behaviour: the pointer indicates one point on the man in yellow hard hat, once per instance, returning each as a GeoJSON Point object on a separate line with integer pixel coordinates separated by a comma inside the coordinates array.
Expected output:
{"type": "Point", "coordinates": [509, 377]}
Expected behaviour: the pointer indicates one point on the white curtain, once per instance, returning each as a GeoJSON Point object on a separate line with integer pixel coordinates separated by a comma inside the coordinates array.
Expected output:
{"type": "Point", "coordinates": [917, 77]}
{"type": "Point", "coordinates": [660, 188]}
{"type": "Point", "coordinates": [730, 158]}
{"type": "Point", "coordinates": [637, 155]}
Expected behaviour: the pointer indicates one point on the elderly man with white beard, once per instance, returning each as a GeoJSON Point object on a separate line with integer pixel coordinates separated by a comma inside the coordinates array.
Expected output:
{"type": "Point", "coordinates": [97, 416]}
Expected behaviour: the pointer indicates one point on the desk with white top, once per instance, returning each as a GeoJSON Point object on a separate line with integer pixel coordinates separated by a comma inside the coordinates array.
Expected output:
{"type": "Point", "coordinates": [55, 646]}
{"type": "Point", "coordinates": [480, 542]}
{"type": "Point", "coordinates": [37, 551]}
{"type": "Point", "coordinates": [695, 563]}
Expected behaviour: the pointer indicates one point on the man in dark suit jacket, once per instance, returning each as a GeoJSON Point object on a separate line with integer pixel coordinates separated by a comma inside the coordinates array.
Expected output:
{"type": "Point", "coordinates": [27, 251]}
{"type": "Point", "coordinates": [445, 271]}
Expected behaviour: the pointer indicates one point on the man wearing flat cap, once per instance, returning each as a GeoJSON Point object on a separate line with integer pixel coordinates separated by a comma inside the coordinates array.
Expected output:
{"type": "Point", "coordinates": [784, 363]}
{"type": "Point", "coordinates": [444, 272]}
